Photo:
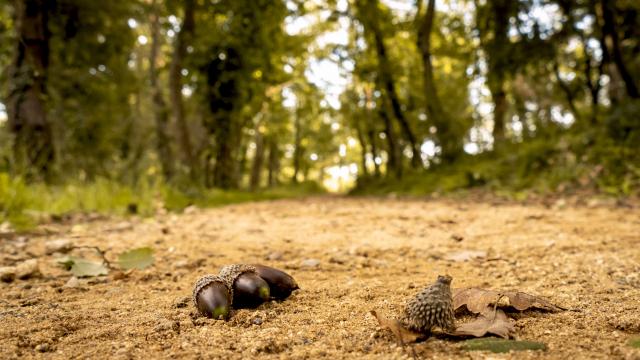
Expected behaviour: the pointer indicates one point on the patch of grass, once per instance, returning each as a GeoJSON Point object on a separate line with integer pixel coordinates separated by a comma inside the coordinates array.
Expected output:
{"type": "Point", "coordinates": [23, 206]}
{"type": "Point", "coordinates": [538, 165]}
{"type": "Point", "coordinates": [496, 345]}
{"type": "Point", "coordinates": [634, 342]}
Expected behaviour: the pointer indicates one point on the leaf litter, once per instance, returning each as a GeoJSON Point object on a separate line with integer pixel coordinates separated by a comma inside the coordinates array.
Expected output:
{"type": "Point", "coordinates": [489, 311]}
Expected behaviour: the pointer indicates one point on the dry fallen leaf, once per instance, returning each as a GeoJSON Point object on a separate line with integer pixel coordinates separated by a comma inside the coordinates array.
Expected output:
{"type": "Point", "coordinates": [404, 336]}
{"type": "Point", "coordinates": [476, 300]}
{"type": "Point", "coordinates": [490, 321]}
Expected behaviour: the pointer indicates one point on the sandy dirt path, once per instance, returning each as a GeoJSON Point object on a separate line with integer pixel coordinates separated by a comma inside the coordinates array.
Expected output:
{"type": "Point", "coordinates": [371, 253]}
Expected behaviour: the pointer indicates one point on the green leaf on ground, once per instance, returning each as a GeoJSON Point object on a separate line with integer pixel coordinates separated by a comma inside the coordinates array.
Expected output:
{"type": "Point", "coordinates": [82, 267]}
{"type": "Point", "coordinates": [139, 258]}
{"type": "Point", "coordinates": [66, 262]}
{"type": "Point", "coordinates": [501, 345]}
{"type": "Point", "coordinates": [635, 342]}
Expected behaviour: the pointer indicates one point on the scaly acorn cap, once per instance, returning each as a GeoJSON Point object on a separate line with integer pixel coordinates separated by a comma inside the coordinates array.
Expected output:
{"type": "Point", "coordinates": [433, 306]}
{"type": "Point", "coordinates": [230, 273]}
{"type": "Point", "coordinates": [249, 289]}
{"type": "Point", "coordinates": [203, 283]}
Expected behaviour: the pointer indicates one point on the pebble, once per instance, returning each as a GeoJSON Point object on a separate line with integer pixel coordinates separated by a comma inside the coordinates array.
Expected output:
{"type": "Point", "coordinates": [7, 274]}
{"type": "Point", "coordinates": [274, 256]}
{"type": "Point", "coordinates": [58, 246]}
{"type": "Point", "coordinates": [27, 269]}
{"type": "Point", "coordinates": [44, 347]}
{"type": "Point", "coordinates": [181, 264]}
{"type": "Point", "coordinates": [257, 321]}
{"type": "Point", "coordinates": [73, 282]}
{"type": "Point", "coordinates": [311, 263]}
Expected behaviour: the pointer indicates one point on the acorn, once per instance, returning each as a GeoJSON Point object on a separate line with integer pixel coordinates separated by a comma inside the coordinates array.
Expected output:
{"type": "Point", "coordinates": [281, 283]}
{"type": "Point", "coordinates": [249, 289]}
{"type": "Point", "coordinates": [431, 307]}
{"type": "Point", "coordinates": [212, 297]}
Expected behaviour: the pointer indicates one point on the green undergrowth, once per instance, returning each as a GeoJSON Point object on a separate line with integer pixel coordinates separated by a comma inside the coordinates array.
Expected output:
{"type": "Point", "coordinates": [25, 205]}
{"type": "Point", "coordinates": [517, 170]}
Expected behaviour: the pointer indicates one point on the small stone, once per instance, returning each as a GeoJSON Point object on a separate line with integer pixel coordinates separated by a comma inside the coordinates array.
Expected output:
{"type": "Point", "coordinates": [257, 321]}
{"type": "Point", "coordinates": [466, 255]}
{"type": "Point", "coordinates": [457, 237]}
{"type": "Point", "coordinates": [27, 269]}
{"type": "Point", "coordinates": [181, 264]}
{"type": "Point", "coordinates": [311, 263]}
{"type": "Point", "coordinates": [73, 282]}
{"type": "Point", "coordinates": [191, 209]}
{"type": "Point", "coordinates": [7, 274]}
{"type": "Point", "coordinates": [181, 302]}
{"type": "Point", "coordinates": [44, 347]}
{"type": "Point", "coordinates": [275, 256]}
{"type": "Point", "coordinates": [58, 246]}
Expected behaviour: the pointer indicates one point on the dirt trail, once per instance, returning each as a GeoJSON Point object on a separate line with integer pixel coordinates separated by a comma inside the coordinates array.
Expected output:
{"type": "Point", "coordinates": [372, 253]}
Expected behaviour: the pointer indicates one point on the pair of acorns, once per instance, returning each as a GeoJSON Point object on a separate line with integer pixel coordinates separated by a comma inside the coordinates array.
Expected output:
{"type": "Point", "coordinates": [240, 286]}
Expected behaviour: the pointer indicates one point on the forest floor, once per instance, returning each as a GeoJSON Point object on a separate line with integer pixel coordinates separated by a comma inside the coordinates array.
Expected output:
{"type": "Point", "coordinates": [350, 256]}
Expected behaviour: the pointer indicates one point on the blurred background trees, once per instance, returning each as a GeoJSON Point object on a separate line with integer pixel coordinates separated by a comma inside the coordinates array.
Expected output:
{"type": "Point", "coordinates": [416, 95]}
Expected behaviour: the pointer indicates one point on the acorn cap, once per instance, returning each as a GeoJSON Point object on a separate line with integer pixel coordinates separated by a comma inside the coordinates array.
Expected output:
{"type": "Point", "coordinates": [432, 306]}
{"type": "Point", "coordinates": [230, 273]}
{"type": "Point", "coordinates": [205, 281]}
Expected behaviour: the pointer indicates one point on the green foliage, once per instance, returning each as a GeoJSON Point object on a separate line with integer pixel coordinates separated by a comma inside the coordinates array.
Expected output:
{"type": "Point", "coordinates": [635, 342]}
{"type": "Point", "coordinates": [139, 258]}
{"type": "Point", "coordinates": [537, 165]}
{"type": "Point", "coordinates": [24, 205]}
{"type": "Point", "coordinates": [496, 345]}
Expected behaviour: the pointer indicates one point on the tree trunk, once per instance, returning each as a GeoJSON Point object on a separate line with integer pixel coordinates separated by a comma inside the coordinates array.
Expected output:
{"type": "Point", "coordinates": [567, 92]}
{"type": "Point", "coordinates": [274, 161]}
{"type": "Point", "coordinates": [175, 86]}
{"type": "Point", "coordinates": [612, 42]}
{"type": "Point", "coordinates": [258, 160]}
{"type": "Point", "coordinates": [160, 110]}
{"type": "Point", "coordinates": [386, 77]}
{"type": "Point", "coordinates": [394, 165]}
{"type": "Point", "coordinates": [224, 95]}
{"type": "Point", "coordinates": [451, 146]}
{"type": "Point", "coordinates": [374, 152]}
{"type": "Point", "coordinates": [33, 147]}
{"type": "Point", "coordinates": [297, 151]}
{"type": "Point", "coordinates": [363, 147]}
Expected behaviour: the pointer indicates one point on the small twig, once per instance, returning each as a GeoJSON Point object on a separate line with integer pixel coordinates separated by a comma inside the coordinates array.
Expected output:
{"type": "Point", "coordinates": [495, 306]}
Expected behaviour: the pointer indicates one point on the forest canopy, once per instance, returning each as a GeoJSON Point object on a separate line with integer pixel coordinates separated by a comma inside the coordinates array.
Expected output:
{"type": "Point", "coordinates": [387, 95]}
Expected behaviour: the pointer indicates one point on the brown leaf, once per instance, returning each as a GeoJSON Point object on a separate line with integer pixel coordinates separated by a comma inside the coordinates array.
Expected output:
{"type": "Point", "coordinates": [402, 334]}
{"type": "Point", "coordinates": [488, 322]}
{"type": "Point", "coordinates": [476, 300]}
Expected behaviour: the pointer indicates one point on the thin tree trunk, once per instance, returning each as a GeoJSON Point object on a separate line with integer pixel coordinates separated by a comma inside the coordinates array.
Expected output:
{"type": "Point", "coordinates": [387, 80]}
{"type": "Point", "coordinates": [274, 161]}
{"type": "Point", "coordinates": [394, 166]}
{"type": "Point", "coordinates": [33, 144]}
{"type": "Point", "coordinates": [567, 92]}
{"type": "Point", "coordinates": [374, 152]}
{"type": "Point", "coordinates": [175, 86]}
{"type": "Point", "coordinates": [450, 144]}
{"type": "Point", "coordinates": [258, 160]}
{"type": "Point", "coordinates": [161, 112]}
{"type": "Point", "coordinates": [297, 151]}
{"type": "Point", "coordinates": [363, 146]}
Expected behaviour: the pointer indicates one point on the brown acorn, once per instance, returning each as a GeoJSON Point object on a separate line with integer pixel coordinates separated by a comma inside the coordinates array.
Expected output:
{"type": "Point", "coordinates": [280, 283]}
{"type": "Point", "coordinates": [212, 297]}
{"type": "Point", "coordinates": [249, 289]}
